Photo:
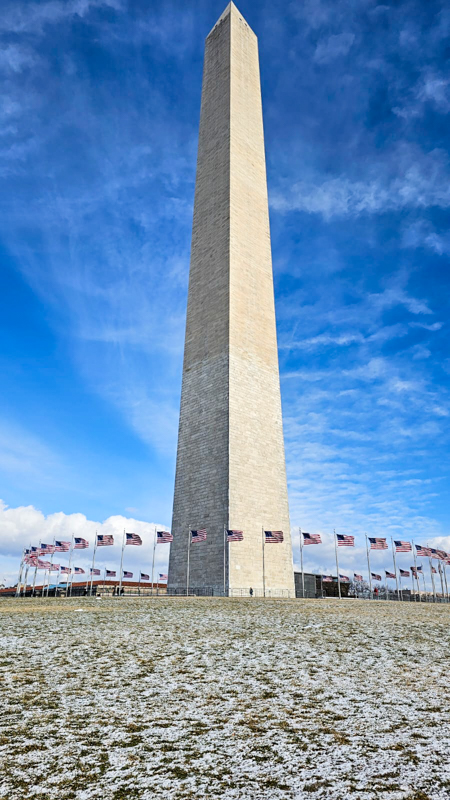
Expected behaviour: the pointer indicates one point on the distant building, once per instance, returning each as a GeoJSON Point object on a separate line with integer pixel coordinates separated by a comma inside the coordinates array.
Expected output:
{"type": "Point", "coordinates": [315, 587]}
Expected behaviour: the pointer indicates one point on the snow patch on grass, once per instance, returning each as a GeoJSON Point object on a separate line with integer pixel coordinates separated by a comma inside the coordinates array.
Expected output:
{"type": "Point", "coordinates": [213, 698]}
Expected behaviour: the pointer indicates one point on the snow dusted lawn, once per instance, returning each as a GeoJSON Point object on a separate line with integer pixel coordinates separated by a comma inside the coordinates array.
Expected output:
{"type": "Point", "coordinates": [205, 698]}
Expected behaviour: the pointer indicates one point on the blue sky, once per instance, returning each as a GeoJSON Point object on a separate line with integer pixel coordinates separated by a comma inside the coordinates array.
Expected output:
{"type": "Point", "coordinates": [98, 135]}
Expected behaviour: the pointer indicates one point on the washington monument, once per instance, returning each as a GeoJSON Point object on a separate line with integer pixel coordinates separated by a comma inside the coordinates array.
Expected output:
{"type": "Point", "coordinates": [231, 471]}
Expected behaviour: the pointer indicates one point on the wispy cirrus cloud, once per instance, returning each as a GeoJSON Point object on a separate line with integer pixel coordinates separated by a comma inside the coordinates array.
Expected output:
{"type": "Point", "coordinates": [421, 180]}
{"type": "Point", "coordinates": [333, 47]}
{"type": "Point", "coordinates": [33, 17]}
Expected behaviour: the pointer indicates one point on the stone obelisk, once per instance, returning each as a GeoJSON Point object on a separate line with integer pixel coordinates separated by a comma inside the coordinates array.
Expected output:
{"type": "Point", "coordinates": [231, 470]}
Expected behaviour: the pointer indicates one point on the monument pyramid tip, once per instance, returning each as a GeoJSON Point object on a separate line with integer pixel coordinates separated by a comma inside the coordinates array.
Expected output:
{"type": "Point", "coordinates": [230, 9]}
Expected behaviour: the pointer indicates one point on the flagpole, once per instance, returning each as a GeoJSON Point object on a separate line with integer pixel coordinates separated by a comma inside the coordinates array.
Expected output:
{"type": "Point", "coordinates": [417, 574]}
{"type": "Point", "coordinates": [26, 580]}
{"type": "Point", "coordinates": [442, 582]}
{"type": "Point", "coordinates": [424, 585]}
{"type": "Point", "coordinates": [395, 567]}
{"type": "Point", "coordinates": [121, 563]}
{"type": "Point", "coordinates": [263, 563]}
{"type": "Point", "coordinates": [27, 569]}
{"type": "Point", "coordinates": [139, 584]}
{"type": "Point", "coordinates": [153, 561]}
{"type": "Point", "coordinates": [19, 578]}
{"type": "Point", "coordinates": [224, 557]}
{"type": "Point", "coordinates": [44, 582]}
{"type": "Point", "coordinates": [188, 555]}
{"type": "Point", "coordinates": [93, 564]}
{"type": "Point", "coordinates": [444, 567]}
{"type": "Point", "coordinates": [301, 562]}
{"type": "Point", "coordinates": [368, 564]}
{"type": "Point", "coordinates": [36, 568]}
{"type": "Point", "coordinates": [69, 574]}
{"type": "Point", "coordinates": [24, 589]}
{"type": "Point", "coordinates": [51, 563]}
{"type": "Point", "coordinates": [337, 564]}
{"type": "Point", "coordinates": [432, 579]}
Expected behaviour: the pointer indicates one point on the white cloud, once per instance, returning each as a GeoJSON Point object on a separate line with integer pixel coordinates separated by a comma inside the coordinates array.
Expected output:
{"type": "Point", "coordinates": [420, 352]}
{"type": "Point", "coordinates": [396, 296]}
{"type": "Point", "coordinates": [436, 90]}
{"type": "Point", "coordinates": [15, 59]}
{"type": "Point", "coordinates": [32, 18]}
{"type": "Point", "coordinates": [333, 47]}
{"type": "Point", "coordinates": [421, 234]}
{"type": "Point", "coordinates": [432, 89]}
{"type": "Point", "coordinates": [423, 181]}
{"type": "Point", "coordinates": [25, 525]}
{"type": "Point", "coordinates": [324, 339]}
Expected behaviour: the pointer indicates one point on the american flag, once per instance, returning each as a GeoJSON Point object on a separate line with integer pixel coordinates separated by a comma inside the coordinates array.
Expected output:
{"type": "Point", "coordinates": [78, 571]}
{"type": "Point", "coordinates": [447, 560]}
{"type": "Point", "coordinates": [127, 574]}
{"type": "Point", "coordinates": [162, 576]}
{"type": "Point", "coordinates": [31, 560]}
{"type": "Point", "coordinates": [65, 571]}
{"type": "Point", "coordinates": [375, 577]}
{"type": "Point", "coordinates": [94, 571]}
{"type": "Point", "coordinates": [144, 577]}
{"type": "Point", "coordinates": [47, 548]}
{"type": "Point", "coordinates": [389, 574]}
{"type": "Point", "coordinates": [377, 544]}
{"type": "Point", "coordinates": [62, 547]}
{"type": "Point", "coordinates": [54, 568]}
{"type": "Point", "coordinates": [345, 541]}
{"type": "Point", "coordinates": [423, 551]}
{"type": "Point", "coordinates": [357, 577]}
{"type": "Point", "coordinates": [162, 537]}
{"type": "Point", "coordinates": [43, 564]}
{"type": "Point", "coordinates": [198, 536]}
{"type": "Point", "coordinates": [404, 573]}
{"type": "Point", "coordinates": [273, 536]}
{"type": "Point", "coordinates": [79, 543]}
{"type": "Point", "coordinates": [442, 554]}
{"type": "Point", "coordinates": [344, 578]}
{"type": "Point", "coordinates": [110, 573]}
{"type": "Point", "coordinates": [402, 547]}
{"type": "Point", "coordinates": [235, 536]}
{"type": "Point", "coordinates": [133, 538]}
{"type": "Point", "coordinates": [327, 579]}
{"type": "Point", "coordinates": [434, 570]}
{"type": "Point", "coordinates": [415, 570]}
{"type": "Point", "coordinates": [104, 540]}
{"type": "Point", "coordinates": [35, 550]}
{"type": "Point", "coordinates": [311, 538]}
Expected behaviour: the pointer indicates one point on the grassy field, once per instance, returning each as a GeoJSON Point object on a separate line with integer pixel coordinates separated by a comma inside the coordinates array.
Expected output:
{"type": "Point", "coordinates": [203, 698]}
